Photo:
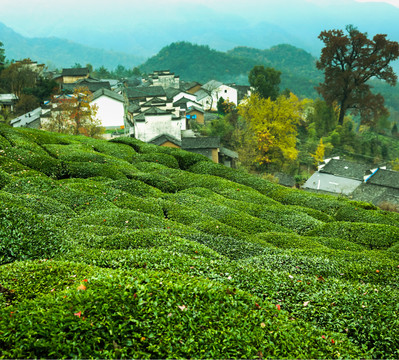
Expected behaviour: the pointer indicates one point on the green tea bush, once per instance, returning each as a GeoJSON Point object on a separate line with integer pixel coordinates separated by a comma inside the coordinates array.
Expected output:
{"type": "Point", "coordinates": [38, 204]}
{"type": "Point", "coordinates": [136, 188]}
{"type": "Point", "coordinates": [286, 196]}
{"type": "Point", "coordinates": [117, 150]}
{"type": "Point", "coordinates": [83, 153]}
{"type": "Point", "coordinates": [367, 216]}
{"type": "Point", "coordinates": [290, 241]}
{"type": "Point", "coordinates": [338, 244]}
{"type": "Point", "coordinates": [4, 143]}
{"type": "Point", "coordinates": [35, 185]}
{"type": "Point", "coordinates": [138, 145]}
{"type": "Point", "coordinates": [5, 178]}
{"type": "Point", "coordinates": [158, 181]}
{"type": "Point", "coordinates": [228, 215]}
{"type": "Point", "coordinates": [123, 218]}
{"type": "Point", "coordinates": [43, 163]}
{"type": "Point", "coordinates": [10, 165]}
{"type": "Point", "coordinates": [91, 169]}
{"type": "Point", "coordinates": [164, 159]}
{"type": "Point", "coordinates": [187, 159]}
{"type": "Point", "coordinates": [373, 236]}
{"type": "Point", "coordinates": [148, 315]}
{"type": "Point", "coordinates": [25, 235]}
{"type": "Point", "coordinates": [317, 214]}
{"type": "Point", "coordinates": [45, 137]}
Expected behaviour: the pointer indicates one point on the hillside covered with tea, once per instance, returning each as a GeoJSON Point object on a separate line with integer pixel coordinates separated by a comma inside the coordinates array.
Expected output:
{"type": "Point", "coordinates": [121, 249]}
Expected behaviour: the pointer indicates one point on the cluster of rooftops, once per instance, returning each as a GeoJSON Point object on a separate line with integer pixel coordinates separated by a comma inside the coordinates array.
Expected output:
{"type": "Point", "coordinates": [150, 108]}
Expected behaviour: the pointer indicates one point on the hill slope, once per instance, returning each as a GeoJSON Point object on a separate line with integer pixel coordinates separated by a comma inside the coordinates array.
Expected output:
{"type": "Point", "coordinates": [200, 63]}
{"type": "Point", "coordinates": [125, 249]}
{"type": "Point", "coordinates": [60, 53]}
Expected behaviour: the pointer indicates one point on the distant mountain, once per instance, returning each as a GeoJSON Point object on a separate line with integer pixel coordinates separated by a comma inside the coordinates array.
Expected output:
{"type": "Point", "coordinates": [58, 53]}
{"type": "Point", "coordinates": [200, 63]}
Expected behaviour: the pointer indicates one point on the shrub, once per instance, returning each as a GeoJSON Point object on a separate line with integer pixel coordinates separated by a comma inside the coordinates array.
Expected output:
{"type": "Point", "coordinates": [25, 235]}
{"type": "Point", "coordinates": [136, 188]}
{"type": "Point", "coordinates": [4, 143]}
{"type": "Point", "coordinates": [38, 204]}
{"type": "Point", "coordinates": [87, 170]}
{"type": "Point", "coordinates": [155, 319]}
{"type": "Point", "coordinates": [354, 214]}
{"type": "Point", "coordinates": [290, 241]}
{"type": "Point", "coordinates": [160, 158]}
{"type": "Point", "coordinates": [158, 181]}
{"type": "Point", "coordinates": [5, 178]}
{"type": "Point", "coordinates": [373, 236]}
{"type": "Point", "coordinates": [11, 166]}
{"type": "Point", "coordinates": [43, 163]}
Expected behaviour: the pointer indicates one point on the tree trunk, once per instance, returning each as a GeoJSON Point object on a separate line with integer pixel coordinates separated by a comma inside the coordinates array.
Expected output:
{"type": "Point", "coordinates": [341, 114]}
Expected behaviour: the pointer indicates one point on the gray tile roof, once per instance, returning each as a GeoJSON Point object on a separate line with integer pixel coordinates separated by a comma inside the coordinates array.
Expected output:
{"type": "Point", "coordinates": [161, 139]}
{"type": "Point", "coordinates": [153, 102]}
{"type": "Point", "coordinates": [212, 85]}
{"type": "Point", "coordinates": [109, 93]}
{"type": "Point", "coordinates": [331, 183]}
{"type": "Point", "coordinates": [8, 98]}
{"type": "Point", "coordinates": [344, 168]}
{"type": "Point", "coordinates": [92, 85]}
{"type": "Point", "coordinates": [26, 119]}
{"type": "Point", "coordinates": [188, 85]}
{"type": "Point", "coordinates": [229, 153]}
{"type": "Point", "coordinates": [195, 107]}
{"type": "Point", "coordinates": [172, 92]}
{"type": "Point", "coordinates": [200, 143]}
{"type": "Point", "coordinates": [145, 91]}
{"type": "Point", "coordinates": [201, 94]}
{"type": "Point", "coordinates": [75, 72]}
{"type": "Point", "coordinates": [149, 112]}
{"type": "Point", "coordinates": [386, 178]}
{"type": "Point", "coordinates": [376, 194]}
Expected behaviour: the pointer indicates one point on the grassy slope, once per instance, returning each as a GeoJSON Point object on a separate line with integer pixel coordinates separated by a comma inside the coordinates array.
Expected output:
{"type": "Point", "coordinates": [124, 249]}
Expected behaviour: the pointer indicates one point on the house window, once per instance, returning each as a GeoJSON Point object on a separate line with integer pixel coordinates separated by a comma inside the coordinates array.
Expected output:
{"type": "Point", "coordinates": [225, 91]}
{"type": "Point", "coordinates": [193, 116]}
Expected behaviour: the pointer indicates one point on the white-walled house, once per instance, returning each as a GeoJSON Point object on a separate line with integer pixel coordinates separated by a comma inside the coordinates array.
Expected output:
{"type": "Point", "coordinates": [154, 122]}
{"type": "Point", "coordinates": [210, 93]}
{"type": "Point", "coordinates": [110, 105]}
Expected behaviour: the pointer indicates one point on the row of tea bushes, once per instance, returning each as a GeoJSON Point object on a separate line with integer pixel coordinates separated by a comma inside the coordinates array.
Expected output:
{"type": "Point", "coordinates": [149, 315]}
{"type": "Point", "coordinates": [287, 196]}
{"type": "Point", "coordinates": [372, 236]}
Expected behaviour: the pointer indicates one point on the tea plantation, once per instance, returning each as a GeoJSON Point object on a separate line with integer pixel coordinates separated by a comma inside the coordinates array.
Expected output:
{"type": "Point", "coordinates": [122, 249]}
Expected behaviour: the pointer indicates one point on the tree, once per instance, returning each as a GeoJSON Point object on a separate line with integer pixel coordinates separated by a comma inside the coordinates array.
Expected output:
{"type": "Point", "coordinates": [274, 126]}
{"type": "Point", "coordinates": [74, 115]}
{"type": "Point", "coordinates": [18, 76]}
{"type": "Point", "coordinates": [225, 107]}
{"type": "Point", "coordinates": [265, 81]}
{"type": "Point", "coordinates": [318, 156]}
{"type": "Point", "coordinates": [26, 103]}
{"type": "Point", "coordinates": [323, 116]}
{"type": "Point", "coordinates": [349, 62]}
{"type": "Point", "coordinates": [2, 56]}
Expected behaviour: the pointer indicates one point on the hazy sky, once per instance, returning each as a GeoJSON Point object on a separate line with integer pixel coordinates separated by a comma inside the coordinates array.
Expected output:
{"type": "Point", "coordinates": [37, 17]}
{"type": "Point", "coordinates": [120, 24]}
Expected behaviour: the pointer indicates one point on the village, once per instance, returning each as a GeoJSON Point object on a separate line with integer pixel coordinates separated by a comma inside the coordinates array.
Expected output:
{"type": "Point", "coordinates": [157, 109]}
{"type": "Point", "coordinates": [162, 109]}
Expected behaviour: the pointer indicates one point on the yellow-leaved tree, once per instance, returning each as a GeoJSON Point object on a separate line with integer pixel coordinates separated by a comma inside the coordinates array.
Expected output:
{"type": "Point", "coordinates": [319, 155]}
{"type": "Point", "coordinates": [273, 127]}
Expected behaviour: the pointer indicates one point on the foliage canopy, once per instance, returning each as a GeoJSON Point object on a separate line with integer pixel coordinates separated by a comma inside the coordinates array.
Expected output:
{"type": "Point", "coordinates": [349, 62]}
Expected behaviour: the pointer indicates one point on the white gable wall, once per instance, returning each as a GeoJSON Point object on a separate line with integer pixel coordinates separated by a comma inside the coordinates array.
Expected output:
{"type": "Point", "coordinates": [228, 93]}
{"type": "Point", "coordinates": [110, 111]}
{"type": "Point", "coordinates": [155, 125]}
